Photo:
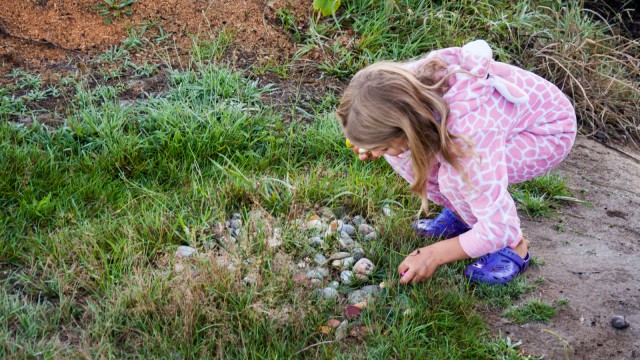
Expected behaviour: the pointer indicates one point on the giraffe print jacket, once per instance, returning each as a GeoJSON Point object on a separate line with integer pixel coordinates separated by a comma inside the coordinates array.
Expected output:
{"type": "Point", "coordinates": [520, 126]}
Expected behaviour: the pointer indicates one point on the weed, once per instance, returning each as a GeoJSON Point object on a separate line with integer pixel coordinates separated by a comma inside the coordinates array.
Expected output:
{"type": "Point", "coordinates": [533, 310]}
{"type": "Point", "coordinates": [112, 9]}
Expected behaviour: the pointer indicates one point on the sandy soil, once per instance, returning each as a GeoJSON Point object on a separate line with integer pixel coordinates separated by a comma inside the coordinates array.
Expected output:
{"type": "Point", "coordinates": [591, 254]}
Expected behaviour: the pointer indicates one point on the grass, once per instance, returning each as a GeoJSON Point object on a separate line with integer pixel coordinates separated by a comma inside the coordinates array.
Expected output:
{"type": "Point", "coordinates": [92, 211]}
{"type": "Point", "coordinates": [533, 310]}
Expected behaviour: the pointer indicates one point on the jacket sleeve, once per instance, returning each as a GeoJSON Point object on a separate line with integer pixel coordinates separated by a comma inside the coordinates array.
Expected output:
{"type": "Point", "coordinates": [497, 224]}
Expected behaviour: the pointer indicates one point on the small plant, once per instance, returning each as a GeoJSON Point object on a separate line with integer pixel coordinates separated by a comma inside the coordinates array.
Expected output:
{"type": "Point", "coordinates": [112, 9]}
{"type": "Point", "coordinates": [533, 310]}
{"type": "Point", "coordinates": [326, 7]}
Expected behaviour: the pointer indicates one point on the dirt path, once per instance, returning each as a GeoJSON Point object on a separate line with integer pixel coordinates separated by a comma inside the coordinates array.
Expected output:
{"type": "Point", "coordinates": [592, 259]}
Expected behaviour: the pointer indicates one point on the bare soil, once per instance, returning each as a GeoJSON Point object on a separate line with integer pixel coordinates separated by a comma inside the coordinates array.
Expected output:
{"type": "Point", "coordinates": [591, 252]}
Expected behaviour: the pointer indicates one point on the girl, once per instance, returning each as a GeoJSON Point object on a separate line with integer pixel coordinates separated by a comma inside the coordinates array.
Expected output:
{"type": "Point", "coordinates": [460, 127]}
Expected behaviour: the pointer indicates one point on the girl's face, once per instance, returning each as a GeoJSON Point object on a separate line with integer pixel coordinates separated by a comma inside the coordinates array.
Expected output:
{"type": "Point", "coordinates": [395, 147]}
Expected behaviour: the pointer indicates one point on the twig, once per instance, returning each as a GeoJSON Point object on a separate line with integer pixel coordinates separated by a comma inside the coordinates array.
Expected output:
{"type": "Point", "coordinates": [313, 345]}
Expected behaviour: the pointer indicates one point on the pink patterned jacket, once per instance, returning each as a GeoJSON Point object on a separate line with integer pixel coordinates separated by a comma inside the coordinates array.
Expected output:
{"type": "Point", "coordinates": [521, 126]}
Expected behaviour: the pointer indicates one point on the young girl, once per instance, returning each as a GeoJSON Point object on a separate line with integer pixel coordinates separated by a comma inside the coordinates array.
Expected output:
{"type": "Point", "coordinates": [460, 127]}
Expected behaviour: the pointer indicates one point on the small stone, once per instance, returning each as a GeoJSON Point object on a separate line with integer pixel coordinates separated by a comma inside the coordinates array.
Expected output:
{"type": "Point", "coordinates": [341, 331]}
{"type": "Point", "coordinates": [336, 264]}
{"type": "Point", "coordinates": [248, 280]}
{"type": "Point", "coordinates": [372, 289]}
{"type": "Point", "coordinates": [407, 312]}
{"type": "Point", "coordinates": [236, 216]}
{"type": "Point", "coordinates": [316, 242]}
{"type": "Point", "coordinates": [276, 239]}
{"type": "Point", "coordinates": [348, 229]}
{"type": "Point", "coordinates": [178, 267]}
{"type": "Point", "coordinates": [382, 285]}
{"type": "Point", "coordinates": [386, 210]}
{"type": "Point", "coordinates": [346, 244]}
{"type": "Point", "coordinates": [358, 296]}
{"type": "Point", "coordinates": [316, 281]}
{"type": "Point", "coordinates": [336, 226]}
{"type": "Point", "coordinates": [334, 284]}
{"type": "Point", "coordinates": [358, 331]}
{"type": "Point", "coordinates": [315, 274]}
{"type": "Point", "coordinates": [371, 236]}
{"type": "Point", "coordinates": [323, 271]}
{"type": "Point", "coordinates": [319, 259]}
{"type": "Point", "coordinates": [351, 312]}
{"type": "Point", "coordinates": [619, 322]}
{"type": "Point", "coordinates": [339, 256]}
{"type": "Point", "coordinates": [346, 277]}
{"type": "Point", "coordinates": [358, 253]}
{"type": "Point", "coordinates": [333, 323]}
{"type": "Point", "coordinates": [365, 229]}
{"type": "Point", "coordinates": [357, 220]}
{"type": "Point", "coordinates": [315, 225]}
{"type": "Point", "coordinates": [325, 329]}
{"type": "Point", "coordinates": [235, 223]}
{"type": "Point", "coordinates": [301, 265]}
{"type": "Point", "coordinates": [329, 293]}
{"type": "Point", "coordinates": [348, 263]}
{"type": "Point", "coordinates": [363, 268]}
{"type": "Point", "coordinates": [185, 251]}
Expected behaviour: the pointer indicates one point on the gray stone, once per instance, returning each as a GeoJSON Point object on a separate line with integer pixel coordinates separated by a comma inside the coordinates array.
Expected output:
{"type": "Point", "coordinates": [619, 322]}
{"type": "Point", "coordinates": [358, 253]}
{"type": "Point", "coordinates": [372, 289]}
{"type": "Point", "coordinates": [329, 293]}
{"type": "Point", "coordinates": [185, 251]}
{"type": "Point", "coordinates": [235, 223]}
{"type": "Point", "coordinates": [336, 264]}
{"type": "Point", "coordinates": [339, 256]}
{"type": "Point", "coordinates": [358, 296]}
{"type": "Point", "coordinates": [323, 271]}
{"type": "Point", "coordinates": [342, 330]}
{"type": "Point", "coordinates": [348, 229]}
{"type": "Point", "coordinates": [348, 263]}
{"type": "Point", "coordinates": [365, 229]}
{"type": "Point", "coordinates": [236, 216]}
{"type": "Point", "coordinates": [346, 244]}
{"type": "Point", "coordinates": [319, 259]}
{"type": "Point", "coordinates": [346, 277]}
{"type": "Point", "coordinates": [315, 274]}
{"type": "Point", "coordinates": [357, 220]}
{"type": "Point", "coordinates": [371, 236]}
{"type": "Point", "coordinates": [333, 284]}
{"type": "Point", "coordinates": [316, 242]}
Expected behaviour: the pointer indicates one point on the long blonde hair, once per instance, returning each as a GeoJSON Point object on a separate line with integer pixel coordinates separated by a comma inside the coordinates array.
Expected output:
{"type": "Point", "coordinates": [387, 101]}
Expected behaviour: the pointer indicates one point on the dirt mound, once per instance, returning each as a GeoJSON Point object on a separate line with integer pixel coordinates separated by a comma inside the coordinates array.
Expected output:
{"type": "Point", "coordinates": [45, 34]}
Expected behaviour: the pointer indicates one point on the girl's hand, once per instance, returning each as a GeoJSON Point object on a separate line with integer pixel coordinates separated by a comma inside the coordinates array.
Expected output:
{"type": "Point", "coordinates": [423, 262]}
{"type": "Point", "coordinates": [418, 266]}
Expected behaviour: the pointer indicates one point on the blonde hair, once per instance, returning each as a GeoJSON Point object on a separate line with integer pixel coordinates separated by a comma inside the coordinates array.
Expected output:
{"type": "Point", "coordinates": [387, 101]}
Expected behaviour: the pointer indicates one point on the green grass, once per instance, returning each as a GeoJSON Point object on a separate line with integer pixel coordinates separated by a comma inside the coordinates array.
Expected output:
{"type": "Point", "coordinates": [92, 211]}
{"type": "Point", "coordinates": [532, 311]}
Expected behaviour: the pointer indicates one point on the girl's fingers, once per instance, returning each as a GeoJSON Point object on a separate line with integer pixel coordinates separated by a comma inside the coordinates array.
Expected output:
{"type": "Point", "coordinates": [408, 276]}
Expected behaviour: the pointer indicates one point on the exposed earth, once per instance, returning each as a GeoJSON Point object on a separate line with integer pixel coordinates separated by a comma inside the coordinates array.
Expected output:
{"type": "Point", "coordinates": [590, 251]}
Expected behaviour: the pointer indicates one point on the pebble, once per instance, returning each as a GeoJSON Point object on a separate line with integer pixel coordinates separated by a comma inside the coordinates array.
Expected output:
{"type": "Point", "coordinates": [371, 236]}
{"type": "Point", "coordinates": [315, 274]}
{"type": "Point", "coordinates": [178, 267]}
{"type": "Point", "coordinates": [315, 225]}
{"type": "Point", "coordinates": [346, 277]}
{"type": "Point", "coordinates": [346, 244]}
{"type": "Point", "coordinates": [319, 259]}
{"type": "Point", "coordinates": [386, 210]}
{"type": "Point", "coordinates": [329, 293]}
{"type": "Point", "coordinates": [316, 281]}
{"type": "Point", "coordinates": [301, 265]}
{"type": "Point", "coordinates": [316, 242]}
{"type": "Point", "coordinates": [358, 296]}
{"type": "Point", "coordinates": [235, 223]}
{"type": "Point", "coordinates": [348, 229]}
{"type": "Point", "coordinates": [185, 251]}
{"type": "Point", "coordinates": [334, 284]}
{"type": "Point", "coordinates": [372, 289]}
{"type": "Point", "coordinates": [365, 229]}
{"type": "Point", "coordinates": [358, 253]}
{"type": "Point", "coordinates": [348, 263]}
{"type": "Point", "coordinates": [276, 239]}
{"type": "Point", "coordinates": [323, 271]}
{"type": "Point", "coordinates": [236, 216]}
{"type": "Point", "coordinates": [336, 226]}
{"type": "Point", "coordinates": [619, 322]}
{"type": "Point", "coordinates": [248, 280]}
{"type": "Point", "coordinates": [351, 312]}
{"type": "Point", "coordinates": [336, 264]}
{"type": "Point", "coordinates": [333, 323]}
{"type": "Point", "coordinates": [357, 220]}
{"type": "Point", "coordinates": [363, 268]}
{"type": "Point", "coordinates": [339, 256]}
{"type": "Point", "coordinates": [341, 331]}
